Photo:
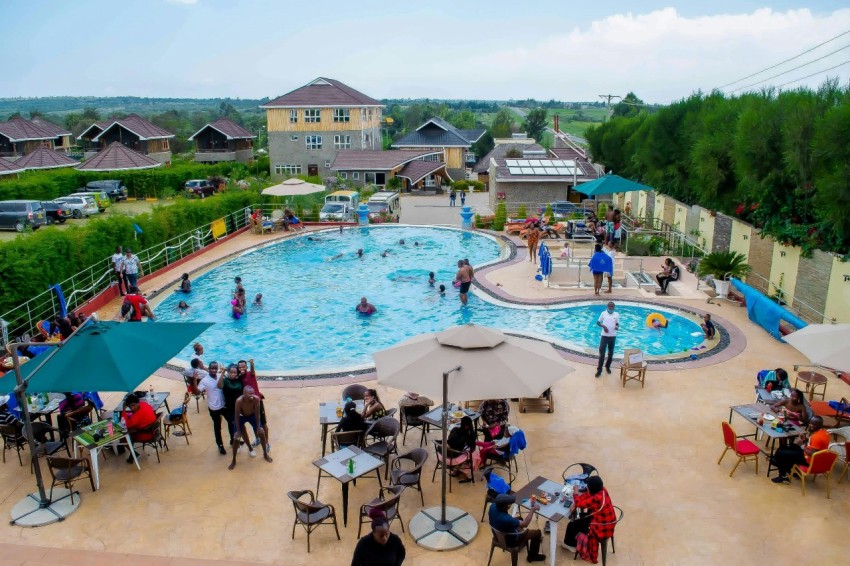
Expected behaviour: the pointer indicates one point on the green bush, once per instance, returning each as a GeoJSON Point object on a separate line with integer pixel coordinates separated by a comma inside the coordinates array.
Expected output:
{"type": "Point", "coordinates": [32, 263]}
{"type": "Point", "coordinates": [461, 185]}
{"type": "Point", "coordinates": [501, 217]}
{"type": "Point", "coordinates": [549, 212]}
{"type": "Point", "coordinates": [521, 212]}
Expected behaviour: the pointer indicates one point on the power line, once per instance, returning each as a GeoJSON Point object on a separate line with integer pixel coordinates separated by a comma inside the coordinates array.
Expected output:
{"type": "Point", "coordinates": [785, 61]}
{"type": "Point", "coordinates": [814, 74]}
{"type": "Point", "coordinates": [790, 70]}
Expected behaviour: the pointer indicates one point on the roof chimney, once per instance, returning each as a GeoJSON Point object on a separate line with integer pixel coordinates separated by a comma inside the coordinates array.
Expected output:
{"type": "Point", "coordinates": [557, 124]}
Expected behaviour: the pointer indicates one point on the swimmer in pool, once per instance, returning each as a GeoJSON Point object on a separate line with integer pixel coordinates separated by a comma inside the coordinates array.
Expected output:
{"type": "Point", "coordinates": [442, 289]}
{"type": "Point", "coordinates": [365, 307]}
{"type": "Point", "coordinates": [183, 308]}
{"type": "Point", "coordinates": [401, 242]}
{"type": "Point", "coordinates": [258, 300]}
{"type": "Point", "coordinates": [340, 229]}
{"type": "Point", "coordinates": [386, 253]}
{"type": "Point", "coordinates": [415, 243]}
{"type": "Point", "coordinates": [238, 281]}
{"type": "Point", "coordinates": [360, 253]}
{"type": "Point", "coordinates": [431, 279]}
{"type": "Point", "coordinates": [656, 324]}
{"type": "Point", "coordinates": [337, 256]}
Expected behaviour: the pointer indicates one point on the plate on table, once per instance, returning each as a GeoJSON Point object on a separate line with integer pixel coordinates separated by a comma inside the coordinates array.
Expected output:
{"type": "Point", "coordinates": [457, 414]}
{"type": "Point", "coordinates": [753, 415]}
{"type": "Point", "coordinates": [769, 417]}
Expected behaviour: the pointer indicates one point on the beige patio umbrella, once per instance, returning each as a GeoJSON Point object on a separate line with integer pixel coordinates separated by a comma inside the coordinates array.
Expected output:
{"type": "Point", "coordinates": [826, 345]}
{"type": "Point", "coordinates": [293, 188]}
{"type": "Point", "coordinates": [463, 363]}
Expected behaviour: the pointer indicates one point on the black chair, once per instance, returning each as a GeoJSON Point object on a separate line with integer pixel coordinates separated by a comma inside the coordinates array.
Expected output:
{"type": "Point", "coordinates": [388, 502]}
{"type": "Point", "coordinates": [194, 392]}
{"type": "Point", "coordinates": [355, 392]}
{"type": "Point", "coordinates": [500, 540]}
{"type": "Point", "coordinates": [579, 468]}
{"type": "Point", "coordinates": [410, 477]}
{"type": "Point", "coordinates": [68, 471]}
{"type": "Point", "coordinates": [490, 495]}
{"type": "Point", "coordinates": [385, 432]}
{"type": "Point", "coordinates": [156, 441]}
{"type": "Point", "coordinates": [451, 454]}
{"type": "Point", "coordinates": [603, 543]}
{"type": "Point", "coordinates": [13, 438]}
{"type": "Point", "coordinates": [311, 514]}
{"type": "Point", "coordinates": [44, 446]}
{"type": "Point", "coordinates": [409, 417]}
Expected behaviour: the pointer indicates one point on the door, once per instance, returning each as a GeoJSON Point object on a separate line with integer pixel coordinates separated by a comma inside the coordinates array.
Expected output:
{"type": "Point", "coordinates": [313, 170]}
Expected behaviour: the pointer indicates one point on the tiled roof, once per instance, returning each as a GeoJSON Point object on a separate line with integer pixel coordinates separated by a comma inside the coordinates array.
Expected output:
{"type": "Point", "coordinates": [349, 159]}
{"type": "Point", "coordinates": [50, 127]}
{"type": "Point", "coordinates": [436, 132]}
{"type": "Point", "coordinates": [7, 167]}
{"type": "Point", "coordinates": [322, 92]}
{"type": "Point", "coordinates": [44, 158]}
{"type": "Point", "coordinates": [19, 129]}
{"type": "Point", "coordinates": [500, 151]}
{"type": "Point", "coordinates": [230, 129]}
{"type": "Point", "coordinates": [139, 126]}
{"type": "Point", "coordinates": [118, 157]}
{"type": "Point", "coordinates": [97, 127]}
{"type": "Point", "coordinates": [416, 170]}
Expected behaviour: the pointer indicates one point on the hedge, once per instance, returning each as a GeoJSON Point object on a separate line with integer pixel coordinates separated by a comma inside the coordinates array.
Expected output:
{"type": "Point", "coordinates": [30, 264]}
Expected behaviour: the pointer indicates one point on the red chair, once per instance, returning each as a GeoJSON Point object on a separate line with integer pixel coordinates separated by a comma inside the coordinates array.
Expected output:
{"type": "Point", "coordinates": [743, 448]}
{"type": "Point", "coordinates": [820, 464]}
{"type": "Point", "coordinates": [823, 410]}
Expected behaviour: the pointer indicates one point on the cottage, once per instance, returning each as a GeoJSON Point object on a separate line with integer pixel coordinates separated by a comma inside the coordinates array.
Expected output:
{"type": "Point", "coordinates": [63, 139]}
{"type": "Point", "coordinates": [223, 140]}
{"type": "Point", "coordinates": [310, 125]}
{"type": "Point", "coordinates": [20, 136]}
{"type": "Point", "coordinates": [132, 131]}
{"type": "Point", "coordinates": [438, 135]}
{"type": "Point", "coordinates": [507, 148]}
{"type": "Point", "coordinates": [416, 169]}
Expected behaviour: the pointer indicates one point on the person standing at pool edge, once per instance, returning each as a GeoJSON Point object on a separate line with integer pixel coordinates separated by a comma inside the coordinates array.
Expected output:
{"type": "Point", "coordinates": [609, 321]}
{"type": "Point", "coordinates": [464, 278]}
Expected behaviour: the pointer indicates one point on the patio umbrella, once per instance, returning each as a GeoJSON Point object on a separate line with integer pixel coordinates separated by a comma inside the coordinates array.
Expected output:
{"type": "Point", "coordinates": [104, 356]}
{"type": "Point", "coordinates": [608, 185]}
{"type": "Point", "coordinates": [483, 363]}
{"type": "Point", "coordinates": [826, 345]}
{"type": "Point", "coordinates": [293, 188]}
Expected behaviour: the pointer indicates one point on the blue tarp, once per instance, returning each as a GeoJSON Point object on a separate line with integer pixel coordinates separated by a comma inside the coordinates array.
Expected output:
{"type": "Point", "coordinates": [765, 312]}
{"type": "Point", "coordinates": [63, 305]}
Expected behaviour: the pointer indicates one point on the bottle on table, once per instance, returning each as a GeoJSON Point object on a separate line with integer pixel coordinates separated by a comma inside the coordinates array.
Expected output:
{"type": "Point", "coordinates": [151, 394]}
{"type": "Point", "coordinates": [351, 465]}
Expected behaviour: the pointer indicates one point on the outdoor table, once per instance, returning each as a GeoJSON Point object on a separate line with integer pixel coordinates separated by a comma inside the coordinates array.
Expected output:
{"type": "Point", "coordinates": [160, 399]}
{"type": "Point", "coordinates": [813, 380]}
{"type": "Point", "coordinates": [328, 418]}
{"type": "Point", "coordinates": [46, 411]}
{"type": "Point", "coordinates": [553, 512]}
{"type": "Point", "coordinates": [336, 465]}
{"type": "Point", "coordinates": [84, 438]}
{"type": "Point", "coordinates": [434, 417]}
{"type": "Point", "coordinates": [767, 397]}
{"type": "Point", "coordinates": [756, 409]}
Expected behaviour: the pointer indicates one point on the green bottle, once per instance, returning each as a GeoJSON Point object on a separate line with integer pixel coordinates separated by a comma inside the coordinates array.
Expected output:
{"type": "Point", "coordinates": [351, 465]}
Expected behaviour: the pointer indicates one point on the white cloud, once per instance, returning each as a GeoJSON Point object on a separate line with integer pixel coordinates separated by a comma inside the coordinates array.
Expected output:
{"type": "Point", "coordinates": [663, 55]}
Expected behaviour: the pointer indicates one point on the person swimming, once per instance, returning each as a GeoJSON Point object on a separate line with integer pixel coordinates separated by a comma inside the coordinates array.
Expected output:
{"type": "Point", "coordinates": [364, 307]}
{"type": "Point", "coordinates": [360, 253]}
{"type": "Point", "coordinates": [431, 279]}
{"type": "Point", "coordinates": [258, 300]}
{"type": "Point", "coordinates": [658, 325]}
{"type": "Point", "coordinates": [183, 308]}
{"type": "Point", "coordinates": [415, 243]}
{"type": "Point", "coordinates": [336, 257]}
{"type": "Point", "coordinates": [386, 253]}
{"type": "Point", "coordinates": [401, 242]}
{"type": "Point", "coordinates": [442, 290]}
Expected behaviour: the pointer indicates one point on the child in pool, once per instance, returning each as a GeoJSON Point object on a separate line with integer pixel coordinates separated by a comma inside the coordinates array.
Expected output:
{"type": "Point", "coordinates": [258, 300]}
{"type": "Point", "coordinates": [656, 324]}
{"type": "Point", "coordinates": [442, 290]}
{"type": "Point", "coordinates": [431, 279]}
{"type": "Point", "coordinates": [182, 308]}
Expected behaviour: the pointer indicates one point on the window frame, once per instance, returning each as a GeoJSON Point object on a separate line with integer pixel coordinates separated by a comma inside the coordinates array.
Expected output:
{"type": "Point", "coordinates": [287, 169]}
{"type": "Point", "coordinates": [313, 142]}
{"type": "Point", "coordinates": [293, 115]}
{"type": "Point", "coordinates": [339, 144]}
{"type": "Point", "coordinates": [312, 115]}
{"type": "Point", "coordinates": [342, 115]}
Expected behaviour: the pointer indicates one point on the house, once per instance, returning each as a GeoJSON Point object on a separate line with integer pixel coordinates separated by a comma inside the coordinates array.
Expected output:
{"type": "Point", "coordinates": [417, 169]}
{"type": "Point", "coordinates": [63, 140]}
{"type": "Point", "coordinates": [134, 132]}
{"type": "Point", "coordinates": [223, 140]}
{"type": "Point", "coordinates": [310, 125]}
{"type": "Point", "coordinates": [438, 135]}
{"type": "Point", "coordinates": [19, 136]}
{"type": "Point", "coordinates": [507, 147]}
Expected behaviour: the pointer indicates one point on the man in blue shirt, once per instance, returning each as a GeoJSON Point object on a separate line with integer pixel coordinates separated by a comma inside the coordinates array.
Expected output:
{"type": "Point", "coordinates": [502, 520]}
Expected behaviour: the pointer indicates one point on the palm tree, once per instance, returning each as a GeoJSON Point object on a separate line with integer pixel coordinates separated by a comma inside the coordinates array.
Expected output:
{"type": "Point", "coordinates": [723, 266]}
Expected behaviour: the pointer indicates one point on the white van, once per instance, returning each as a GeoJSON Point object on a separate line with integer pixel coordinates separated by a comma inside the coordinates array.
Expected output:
{"type": "Point", "coordinates": [387, 203]}
{"type": "Point", "coordinates": [340, 206]}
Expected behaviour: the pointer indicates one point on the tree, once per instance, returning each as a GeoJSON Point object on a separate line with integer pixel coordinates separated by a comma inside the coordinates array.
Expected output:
{"type": "Point", "coordinates": [484, 145]}
{"type": "Point", "coordinates": [503, 124]}
{"type": "Point", "coordinates": [630, 106]}
{"type": "Point", "coordinates": [535, 123]}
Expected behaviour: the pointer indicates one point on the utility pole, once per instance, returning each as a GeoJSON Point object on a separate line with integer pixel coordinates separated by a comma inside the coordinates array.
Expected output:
{"type": "Point", "coordinates": [607, 98]}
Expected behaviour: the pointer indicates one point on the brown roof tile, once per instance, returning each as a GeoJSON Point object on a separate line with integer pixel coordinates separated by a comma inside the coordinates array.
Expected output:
{"type": "Point", "coordinates": [50, 127]}
{"type": "Point", "coordinates": [349, 159]}
{"type": "Point", "coordinates": [139, 126]}
{"type": "Point", "coordinates": [228, 128]}
{"type": "Point", "coordinates": [19, 129]}
{"type": "Point", "coordinates": [44, 158]}
{"type": "Point", "coordinates": [416, 170]}
{"type": "Point", "coordinates": [118, 157]}
{"type": "Point", "coordinates": [7, 167]}
{"type": "Point", "coordinates": [322, 92]}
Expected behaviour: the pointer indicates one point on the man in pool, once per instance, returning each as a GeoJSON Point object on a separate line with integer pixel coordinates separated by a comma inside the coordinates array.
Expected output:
{"type": "Point", "coordinates": [708, 326]}
{"type": "Point", "coordinates": [442, 290]}
{"type": "Point", "coordinates": [609, 321]}
{"type": "Point", "coordinates": [431, 279]}
{"type": "Point", "coordinates": [386, 253]}
{"type": "Point", "coordinates": [248, 411]}
{"type": "Point", "coordinates": [360, 253]}
{"type": "Point", "coordinates": [238, 281]}
{"type": "Point", "coordinates": [365, 307]}
{"type": "Point", "coordinates": [464, 278]}
{"type": "Point", "coordinates": [258, 300]}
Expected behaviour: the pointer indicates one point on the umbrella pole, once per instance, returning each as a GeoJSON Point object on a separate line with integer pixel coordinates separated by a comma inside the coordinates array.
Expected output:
{"type": "Point", "coordinates": [20, 391]}
{"type": "Point", "coordinates": [445, 424]}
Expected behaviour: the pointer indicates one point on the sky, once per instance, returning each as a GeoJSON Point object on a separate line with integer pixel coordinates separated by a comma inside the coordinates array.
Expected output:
{"type": "Point", "coordinates": [571, 51]}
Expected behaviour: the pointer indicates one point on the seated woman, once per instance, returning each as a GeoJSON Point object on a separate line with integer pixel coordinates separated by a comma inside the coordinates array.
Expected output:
{"type": "Point", "coordinates": [776, 380]}
{"type": "Point", "coordinates": [373, 409]}
{"type": "Point", "coordinates": [794, 408]}
{"type": "Point", "coordinates": [71, 402]}
{"type": "Point", "coordinates": [351, 420]}
{"type": "Point", "coordinates": [597, 522]}
{"type": "Point", "coordinates": [494, 416]}
{"type": "Point", "coordinates": [462, 438]}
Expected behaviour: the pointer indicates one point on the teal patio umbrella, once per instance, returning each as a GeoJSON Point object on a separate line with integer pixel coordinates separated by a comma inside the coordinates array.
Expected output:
{"type": "Point", "coordinates": [98, 356]}
{"type": "Point", "coordinates": [608, 185]}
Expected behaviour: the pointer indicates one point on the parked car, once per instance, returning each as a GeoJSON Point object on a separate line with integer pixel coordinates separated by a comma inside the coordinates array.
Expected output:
{"type": "Point", "coordinates": [113, 188]}
{"type": "Point", "coordinates": [56, 211]}
{"type": "Point", "coordinates": [18, 214]}
{"type": "Point", "coordinates": [81, 206]}
{"type": "Point", "coordinates": [101, 198]}
{"type": "Point", "coordinates": [199, 187]}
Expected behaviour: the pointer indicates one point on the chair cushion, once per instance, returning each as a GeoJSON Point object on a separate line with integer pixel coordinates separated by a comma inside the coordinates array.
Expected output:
{"type": "Point", "coordinates": [65, 474]}
{"type": "Point", "coordinates": [838, 449]}
{"type": "Point", "coordinates": [400, 477]}
{"type": "Point", "coordinates": [378, 448]}
{"type": "Point", "coordinates": [746, 448]}
{"type": "Point", "coordinates": [315, 516]}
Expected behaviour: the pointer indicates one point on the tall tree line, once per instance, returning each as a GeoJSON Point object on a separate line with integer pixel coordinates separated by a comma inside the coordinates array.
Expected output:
{"type": "Point", "coordinates": [780, 160]}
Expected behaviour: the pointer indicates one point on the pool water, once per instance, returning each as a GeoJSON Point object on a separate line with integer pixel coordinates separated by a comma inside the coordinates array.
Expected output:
{"type": "Point", "coordinates": [307, 323]}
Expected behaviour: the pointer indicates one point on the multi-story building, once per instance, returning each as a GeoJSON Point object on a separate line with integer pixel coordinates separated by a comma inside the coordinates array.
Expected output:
{"type": "Point", "coordinates": [308, 126]}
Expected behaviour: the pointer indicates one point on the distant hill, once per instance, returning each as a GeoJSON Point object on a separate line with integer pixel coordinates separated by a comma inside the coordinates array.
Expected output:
{"type": "Point", "coordinates": [59, 106]}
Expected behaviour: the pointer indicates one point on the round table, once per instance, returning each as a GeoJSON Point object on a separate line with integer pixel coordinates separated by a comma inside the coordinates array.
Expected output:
{"type": "Point", "coordinates": [813, 380]}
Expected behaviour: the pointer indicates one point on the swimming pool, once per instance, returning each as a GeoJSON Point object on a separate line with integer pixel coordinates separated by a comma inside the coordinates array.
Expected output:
{"type": "Point", "coordinates": [307, 322]}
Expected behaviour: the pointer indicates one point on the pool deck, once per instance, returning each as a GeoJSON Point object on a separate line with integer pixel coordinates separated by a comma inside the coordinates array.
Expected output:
{"type": "Point", "coordinates": [656, 449]}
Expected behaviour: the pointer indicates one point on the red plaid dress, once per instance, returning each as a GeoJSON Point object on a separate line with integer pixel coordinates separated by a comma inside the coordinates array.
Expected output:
{"type": "Point", "coordinates": [603, 519]}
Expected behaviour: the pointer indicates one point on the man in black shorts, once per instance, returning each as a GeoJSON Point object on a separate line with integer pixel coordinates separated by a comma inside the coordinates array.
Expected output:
{"type": "Point", "coordinates": [248, 411]}
{"type": "Point", "coordinates": [464, 277]}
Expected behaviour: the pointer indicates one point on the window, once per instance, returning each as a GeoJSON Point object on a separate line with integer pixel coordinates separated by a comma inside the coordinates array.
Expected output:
{"type": "Point", "coordinates": [369, 178]}
{"type": "Point", "coordinates": [287, 169]}
{"type": "Point", "coordinates": [343, 175]}
{"type": "Point", "coordinates": [313, 142]}
{"type": "Point", "coordinates": [327, 163]}
{"type": "Point", "coordinates": [342, 142]}
{"type": "Point", "coordinates": [356, 175]}
{"type": "Point", "coordinates": [293, 116]}
{"type": "Point", "coordinates": [341, 115]}
{"type": "Point", "coordinates": [293, 138]}
{"type": "Point", "coordinates": [313, 115]}
{"type": "Point", "coordinates": [430, 181]}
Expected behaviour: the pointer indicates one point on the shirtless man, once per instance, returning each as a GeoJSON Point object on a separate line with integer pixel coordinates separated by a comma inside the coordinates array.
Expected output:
{"type": "Point", "coordinates": [248, 411]}
{"type": "Point", "coordinates": [365, 307]}
{"type": "Point", "coordinates": [464, 277]}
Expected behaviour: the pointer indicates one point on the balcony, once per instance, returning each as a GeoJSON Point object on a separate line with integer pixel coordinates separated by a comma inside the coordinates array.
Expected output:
{"type": "Point", "coordinates": [219, 155]}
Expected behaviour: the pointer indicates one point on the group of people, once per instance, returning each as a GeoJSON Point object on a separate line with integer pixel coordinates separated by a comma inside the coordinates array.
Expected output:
{"type": "Point", "coordinates": [453, 197]}
{"type": "Point", "coordinates": [127, 269]}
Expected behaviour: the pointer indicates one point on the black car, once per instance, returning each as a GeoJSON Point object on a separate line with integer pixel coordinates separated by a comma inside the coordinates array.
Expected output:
{"type": "Point", "coordinates": [56, 211]}
{"type": "Point", "coordinates": [114, 188]}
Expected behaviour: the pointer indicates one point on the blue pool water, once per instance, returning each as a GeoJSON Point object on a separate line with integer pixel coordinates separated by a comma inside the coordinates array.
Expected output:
{"type": "Point", "coordinates": [307, 322]}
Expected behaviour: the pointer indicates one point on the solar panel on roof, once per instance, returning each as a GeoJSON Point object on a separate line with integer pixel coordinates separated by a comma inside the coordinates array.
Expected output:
{"type": "Point", "coordinates": [511, 162]}
{"type": "Point", "coordinates": [550, 171]}
{"type": "Point", "coordinates": [514, 170]}
{"type": "Point", "coordinates": [563, 171]}
{"type": "Point", "coordinates": [533, 163]}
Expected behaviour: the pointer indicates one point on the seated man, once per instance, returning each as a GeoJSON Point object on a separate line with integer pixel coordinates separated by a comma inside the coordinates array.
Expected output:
{"type": "Point", "coordinates": [800, 452]}
{"type": "Point", "coordinates": [502, 520]}
{"type": "Point", "coordinates": [494, 416]}
{"type": "Point", "coordinates": [70, 403]}
{"type": "Point", "coordinates": [138, 416]}
{"type": "Point", "coordinates": [670, 273]}
{"type": "Point", "coordinates": [248, 411]}
{"type": "Point", "coordinates": [7, 417]}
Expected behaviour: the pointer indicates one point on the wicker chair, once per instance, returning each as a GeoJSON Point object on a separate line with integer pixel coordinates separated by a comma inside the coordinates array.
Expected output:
{"type": "Point", "coordinates": [182, 421]}
{"type": "Point", "coordinates": [67, 471]}
{"type": "Point", "coordinates": [410, 477]}
{"type": "Point", "coordinates": [389, 505]}
{"type": "Point", "coordinates": [311, 514]}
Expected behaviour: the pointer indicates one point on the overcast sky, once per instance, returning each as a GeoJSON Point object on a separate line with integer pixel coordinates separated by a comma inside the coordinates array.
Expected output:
{"type": "Point", "coordinates": [440, 49]}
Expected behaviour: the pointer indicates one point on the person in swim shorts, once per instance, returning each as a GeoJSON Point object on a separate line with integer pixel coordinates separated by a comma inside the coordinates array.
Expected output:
{"type": "Point", "coordinates": [248, 412]}
{"type": "Point", "coordinates": [464, 278]}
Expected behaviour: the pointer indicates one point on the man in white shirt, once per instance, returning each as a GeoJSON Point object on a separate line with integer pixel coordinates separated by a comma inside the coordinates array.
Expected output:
{"type": "Point", "coordinates": [118, 269]}
{"type": "Point", "coordinates": [609, 321]}
{"type": "Point", "coordinates": [210, 383]}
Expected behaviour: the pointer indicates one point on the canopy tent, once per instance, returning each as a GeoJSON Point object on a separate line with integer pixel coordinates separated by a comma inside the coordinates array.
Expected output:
{"type": "Point", "coordinates": [608, 185]}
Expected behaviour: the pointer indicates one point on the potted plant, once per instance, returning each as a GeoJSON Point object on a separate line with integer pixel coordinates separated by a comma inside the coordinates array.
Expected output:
{"type": "Point", "coordinates": [722, 266]}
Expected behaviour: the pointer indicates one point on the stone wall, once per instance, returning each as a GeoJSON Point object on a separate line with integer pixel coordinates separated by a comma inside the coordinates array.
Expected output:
{"type": "Point", "coordinates": [760, 258]}
{"type": "Point", "coordinates": [722, 233]}
{"type": "Point", "coordinates": [812, 274]}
